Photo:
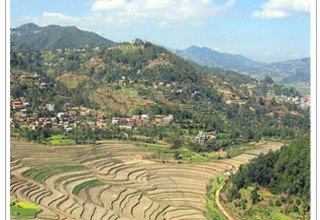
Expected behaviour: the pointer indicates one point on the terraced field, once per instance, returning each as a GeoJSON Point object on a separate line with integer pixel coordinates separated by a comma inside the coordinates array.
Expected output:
{"type": "Point", "coordinates": [112, 180]}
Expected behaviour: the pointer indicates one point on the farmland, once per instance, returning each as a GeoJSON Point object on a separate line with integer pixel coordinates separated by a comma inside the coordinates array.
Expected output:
{"type": "Point", "coordinates": [115, 180]}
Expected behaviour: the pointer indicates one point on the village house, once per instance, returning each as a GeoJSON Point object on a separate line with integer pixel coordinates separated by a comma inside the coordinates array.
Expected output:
{"type": "Point", "coordinates": [24, 77]}
{"type": "Point", "coordinates": [47, 123]}
{"type": "Point", "coordinates": [63, 116]}
{"type": "Point", "coordinates": [222, 154]}
{"type": "Point", "coordinates": [101, 117]}
{"type": "Point", "coordinates": [30, 119]}
{"type": "Point", "coordinates": [77, 124]}
{"type": "Point", "coordinates": [73, 113]}
{"type": "Point", "coordinates": [136, 119]}
{"type": "Point", "coordinates": [145, 117]}
{"type": "Point", "coordinates": [36, 76]}
{"type": "Point", "coordinates": [17, 104]}
{"type": "Point", "coordinates": [201, 137]}
{"type": "Point", "coordinates": [227, 175]}
{"type": "Point", "coordinates": [50, 107]}
{"type": "Point", "coordinates": [69, 129]}
{"type": "Point", "coordinates": [85, 113]}
{"type": "Point", "coordinates": [168, 120]}
{"type": "Point", "coordinates": [128, 127]}
{"type": "Point", "coordinates": [43, 85]}
{"type": "Point", "coordinates": [117, 120]}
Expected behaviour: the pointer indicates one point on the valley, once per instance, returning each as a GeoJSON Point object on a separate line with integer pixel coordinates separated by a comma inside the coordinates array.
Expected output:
{"type": "Point", "coordinates": [106, 130]}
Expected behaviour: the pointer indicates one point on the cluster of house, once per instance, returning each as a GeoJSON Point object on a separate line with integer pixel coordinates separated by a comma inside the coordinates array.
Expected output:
{"type": "Point", "coordinates": [127, 82]}
{"type": "Point", "coordinates": [141, 120]}
{"type": "Point", "coordinates": [35, 77]}
{"type": "Point", "coordinates": [203, 137]}
{"type": "Point", "coordinates": [303, 102]}
{"type": "Point", "coordinates": [75, 117]}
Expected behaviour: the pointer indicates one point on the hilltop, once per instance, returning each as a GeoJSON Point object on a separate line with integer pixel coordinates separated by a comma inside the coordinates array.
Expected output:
{"type": "Point", "coordinates": [52, 37]}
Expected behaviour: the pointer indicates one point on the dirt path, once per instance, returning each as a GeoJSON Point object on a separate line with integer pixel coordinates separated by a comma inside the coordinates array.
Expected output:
{"type": "Point", "coordinates": [224, 212]}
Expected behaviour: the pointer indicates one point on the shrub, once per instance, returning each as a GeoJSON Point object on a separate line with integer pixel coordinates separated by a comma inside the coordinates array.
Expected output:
{"type": "Point", "coordinates": [278, 203]}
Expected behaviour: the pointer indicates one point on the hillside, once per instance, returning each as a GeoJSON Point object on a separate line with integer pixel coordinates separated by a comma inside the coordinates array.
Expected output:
{"type": "Point", "coordinates": [53, 37]}
{"type": "Point", "coordinates": [288, 72]}
{"type": "Point", "coordinates": [282, 178]}
{"type": "Point", "coordinates": [141, 78]}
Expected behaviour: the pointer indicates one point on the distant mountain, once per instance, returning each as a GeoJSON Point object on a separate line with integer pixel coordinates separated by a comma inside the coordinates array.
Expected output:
{"type": "Point", "coordinates": [208, 57]}
{"type": "Point", "coordinates": [51, 37]}
{"type": "Point", "coordinates": [292, 71]}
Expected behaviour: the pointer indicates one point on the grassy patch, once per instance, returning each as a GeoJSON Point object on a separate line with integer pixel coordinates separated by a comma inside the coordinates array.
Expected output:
{"type": "Point", "coordinates": [165, 152]}
{"type": "Point", "coordinates": [212, 210]}
{"type": "Point", "coordinates": [151, 147]}
{"type": "Point", "coordinates": [303, 89]}
{"type": "Point", "coordinates": [40, 174]}
{"type": "Point", "coordinates": [71, 80]}
{"type": "Point", "coordinates": [90, 183]}
{"type": "Point", "coordinates": [23, 210]}
{"type": "Point", "coordinates": [60, 140]}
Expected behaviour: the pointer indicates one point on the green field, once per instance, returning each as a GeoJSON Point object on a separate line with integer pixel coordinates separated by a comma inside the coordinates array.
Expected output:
{"type": "Point", "coordinates": [23, 210]}
{"type": "Point", "coordinates": [90, 183]}
{"type": "Point", "coordinates": [60, 140]}
{"type": "Point", "coordinates": [40, 174]}
{"type": "Point", "coordinates": [303, 89]}
{"type": "Point", "coordinates": [165, 152]}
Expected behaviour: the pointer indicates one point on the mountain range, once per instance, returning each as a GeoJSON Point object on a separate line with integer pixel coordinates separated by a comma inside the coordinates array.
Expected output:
{"type": "Point", "coordinates": [292, 71]}
{"type": "Point", "coordinates": [51, 37]}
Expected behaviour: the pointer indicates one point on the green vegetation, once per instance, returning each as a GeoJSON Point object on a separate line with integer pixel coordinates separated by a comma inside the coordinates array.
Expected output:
{"type": "Point", "coordinates": [284, 176]}
{"type": "Point", "coordinates": [143, 78]}
{"type": "Point", "coordinates": [302, 88]}
{"type": "Point", "coordinates": [91, 183]}
{"type": "Point", "coordinates": [162, 152]}
{"type": "Point", "coordinates": [212, 212]}
{"type": "Point", "coordinates": [23, 210]}
{"type": "Point", "coordinates": [40, 174]}
{"type": "Point", "coordinates": [60, 140]}
{"type": "Point", "coordinates": [57, 37]}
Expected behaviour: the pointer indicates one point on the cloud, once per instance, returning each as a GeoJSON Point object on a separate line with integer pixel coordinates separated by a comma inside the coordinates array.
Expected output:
{"type": "Point", "coordinates": [274, 9]}
{"type": "Point", "coordinates": [163, 13]}
{"type": "Point", "coordinates": [108, 5]}
{"type": "Point", "coordinates": [160, 12]}
{"type": "Point", "coordinates": [59, 17]}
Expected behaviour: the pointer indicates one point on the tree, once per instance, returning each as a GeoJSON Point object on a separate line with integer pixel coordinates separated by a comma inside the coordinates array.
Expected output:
{"type": "Point", "coordinates": [267, 80]}
{"type": "Point", "coordinates": [255, 197]}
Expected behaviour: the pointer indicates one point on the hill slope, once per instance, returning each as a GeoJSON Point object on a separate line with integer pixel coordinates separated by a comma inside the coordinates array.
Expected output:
{"type": "Point", "coordinates": [138, 78]}
{"type": "Point", "coordinates": [282, 177]}
{"type": "Point", "coordinates": [53, 37]}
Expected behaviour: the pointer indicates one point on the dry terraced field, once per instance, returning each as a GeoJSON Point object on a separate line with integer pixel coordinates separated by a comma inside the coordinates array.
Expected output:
{"type": "Point", "coordinates": [113, 180]}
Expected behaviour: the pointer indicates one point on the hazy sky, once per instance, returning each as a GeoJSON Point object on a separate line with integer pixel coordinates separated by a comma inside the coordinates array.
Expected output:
{"type": "Point", "coordinates": [264, 30]}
